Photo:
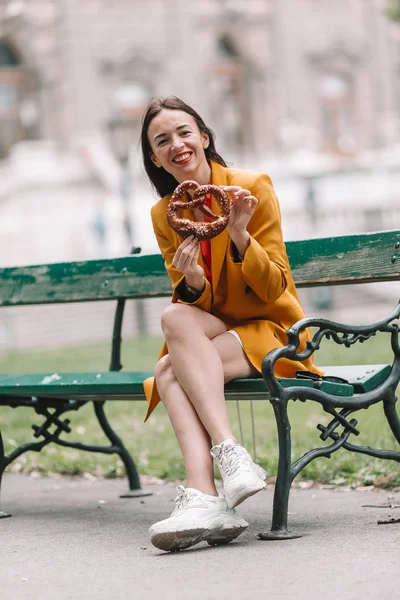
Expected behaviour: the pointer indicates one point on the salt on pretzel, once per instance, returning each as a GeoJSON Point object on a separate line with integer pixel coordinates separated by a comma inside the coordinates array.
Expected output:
{"type": "Point", "coordinates": [202, 230]}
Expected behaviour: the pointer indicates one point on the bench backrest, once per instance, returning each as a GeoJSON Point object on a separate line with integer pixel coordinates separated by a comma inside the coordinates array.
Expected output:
{"type": "Point", "coordinates": [324, 261]}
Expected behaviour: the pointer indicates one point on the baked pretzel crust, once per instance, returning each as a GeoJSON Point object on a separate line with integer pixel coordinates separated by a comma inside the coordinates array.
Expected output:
{"type": "Point", "coordinates": [202, 230]}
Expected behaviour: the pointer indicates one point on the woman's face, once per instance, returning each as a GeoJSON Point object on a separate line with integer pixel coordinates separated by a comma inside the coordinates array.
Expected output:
{"type": "Point", "coordinates": [178, 145]}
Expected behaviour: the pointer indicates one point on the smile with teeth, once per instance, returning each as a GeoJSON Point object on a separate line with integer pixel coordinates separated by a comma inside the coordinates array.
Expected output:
{"type": "Point", "coordinates": [182, 158]}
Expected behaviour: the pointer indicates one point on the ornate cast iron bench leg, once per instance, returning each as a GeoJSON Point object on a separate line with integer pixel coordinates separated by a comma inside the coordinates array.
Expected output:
{"type": "Point", "coordinates": [135, 489]}
{"type": "Point", "coordinates": [279, 530]}
{"type": "Point", "coordinates": [3, 465]}
{"type": "Point", "coordinates": [340, 408]}
{"type": "Point", "coordinates": [52, 410]}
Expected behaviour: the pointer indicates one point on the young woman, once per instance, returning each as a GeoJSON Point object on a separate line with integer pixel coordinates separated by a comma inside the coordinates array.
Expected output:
{"type": "Point", "coordinates": [233, 299]}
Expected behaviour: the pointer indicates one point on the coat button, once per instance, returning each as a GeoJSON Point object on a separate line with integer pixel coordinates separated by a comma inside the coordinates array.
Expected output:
{"type": "Point", "coordinates": [247, 289]}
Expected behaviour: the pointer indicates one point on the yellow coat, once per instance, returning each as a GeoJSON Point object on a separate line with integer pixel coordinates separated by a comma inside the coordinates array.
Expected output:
{"type": "Point", "coordinates": [257, 297]}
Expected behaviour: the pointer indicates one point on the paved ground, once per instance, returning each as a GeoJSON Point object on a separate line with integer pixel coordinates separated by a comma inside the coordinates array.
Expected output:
{"type": "Point", "coordinates": [72, 538]}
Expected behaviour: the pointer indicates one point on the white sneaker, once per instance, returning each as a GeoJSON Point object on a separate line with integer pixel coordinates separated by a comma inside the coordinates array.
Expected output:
{"type": "Point", "coordinates": [241, 476]}
{"type": "Point", "coordinates": [197, 517]}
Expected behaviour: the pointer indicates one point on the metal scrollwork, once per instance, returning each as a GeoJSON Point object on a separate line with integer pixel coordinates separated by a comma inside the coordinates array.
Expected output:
{"type": "Point", "coordinates": [339, 407]}
{"type": "Point", "coordinates": [54, 426]}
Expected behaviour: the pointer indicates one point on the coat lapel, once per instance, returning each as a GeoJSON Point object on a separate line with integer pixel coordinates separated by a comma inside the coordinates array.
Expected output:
{"type": "Point", "coordinates": [220, 242]}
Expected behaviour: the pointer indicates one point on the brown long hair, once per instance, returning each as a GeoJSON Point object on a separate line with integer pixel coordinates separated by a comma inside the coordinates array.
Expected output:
{"type": "Point", "coordinates": [163, 181]}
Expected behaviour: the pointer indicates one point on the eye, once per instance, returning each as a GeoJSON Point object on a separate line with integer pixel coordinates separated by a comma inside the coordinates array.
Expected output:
{"type": "Point", "coordinates": [162, 142]}
{"type": "Point", "coordinates": [187, 132]}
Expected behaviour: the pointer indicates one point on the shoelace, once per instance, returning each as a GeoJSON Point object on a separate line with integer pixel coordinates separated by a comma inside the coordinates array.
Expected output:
{"type": "Point", "coordinates": [231, 458]}
{"type": "Point", "coordinates": [184, 497]}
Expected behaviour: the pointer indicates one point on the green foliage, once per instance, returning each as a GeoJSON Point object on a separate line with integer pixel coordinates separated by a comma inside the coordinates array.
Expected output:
{"type": "Point", "coordinates": [393, 10]}
{"type": "Point", "coordinates": [154, 446]}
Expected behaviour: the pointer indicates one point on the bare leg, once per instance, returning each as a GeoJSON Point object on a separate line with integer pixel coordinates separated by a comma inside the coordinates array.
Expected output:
{"type": "Point", "coordinates": [199, 366]}
{"type": "Point", "coordinates": [191, 431]}
{"type": "Point", "coordinates": [193, 439]}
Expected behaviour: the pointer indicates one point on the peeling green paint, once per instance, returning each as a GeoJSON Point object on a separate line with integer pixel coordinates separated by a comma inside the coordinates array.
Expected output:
{"type": "Point", "coordinates": [325, 261]}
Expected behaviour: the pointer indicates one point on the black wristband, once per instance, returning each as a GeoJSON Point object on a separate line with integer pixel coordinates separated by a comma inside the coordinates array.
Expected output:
{"type": "Point", "coordinates": [236, 256]}
{"type": "Point", "coordinates": [188, 293]}
{"type": "Point", "coordinates": [192, 290]}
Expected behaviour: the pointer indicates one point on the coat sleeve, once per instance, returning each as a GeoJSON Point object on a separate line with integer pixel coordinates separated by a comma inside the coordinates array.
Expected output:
{"type": "Point", "coordinates": [168, 251]}
{"type": "Point", "coordinates": [265, 266]}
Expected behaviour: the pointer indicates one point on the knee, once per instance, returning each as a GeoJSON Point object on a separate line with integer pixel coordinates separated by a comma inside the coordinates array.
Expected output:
{"type": "Point", "coordinates": [163, 373]}
{"type": "Point", "coordinates": [174, 318]}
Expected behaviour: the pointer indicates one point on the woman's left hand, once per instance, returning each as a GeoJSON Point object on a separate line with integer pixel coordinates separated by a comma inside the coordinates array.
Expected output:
{"type": "Point", "coordinates": [243, 205]}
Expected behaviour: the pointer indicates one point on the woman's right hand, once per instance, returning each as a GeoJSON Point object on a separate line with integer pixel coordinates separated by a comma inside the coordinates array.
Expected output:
{"type": "Point", "coordinates": [186, 261]}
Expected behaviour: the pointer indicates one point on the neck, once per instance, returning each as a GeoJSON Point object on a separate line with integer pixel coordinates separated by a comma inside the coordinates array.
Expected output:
{"type": "Point", "coordinates": [203, 174]}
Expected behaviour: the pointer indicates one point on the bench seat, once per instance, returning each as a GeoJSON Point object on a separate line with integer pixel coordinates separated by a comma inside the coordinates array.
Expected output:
{"type": "Point", "coordinates": [120, 385]}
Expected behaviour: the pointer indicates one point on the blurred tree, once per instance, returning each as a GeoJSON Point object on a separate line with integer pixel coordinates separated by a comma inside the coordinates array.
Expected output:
{"type": "Point", "coordinates": [393, 10]}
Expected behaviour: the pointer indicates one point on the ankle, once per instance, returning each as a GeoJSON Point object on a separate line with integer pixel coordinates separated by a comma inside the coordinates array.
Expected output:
{"type": "Point", "coordinates": [217, 441]}
{"type": "Point", "coordinates": [208, 489]}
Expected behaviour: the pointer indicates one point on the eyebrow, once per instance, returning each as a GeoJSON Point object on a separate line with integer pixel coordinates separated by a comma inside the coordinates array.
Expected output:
{"type": "Point", "coordinates": [177, 129]}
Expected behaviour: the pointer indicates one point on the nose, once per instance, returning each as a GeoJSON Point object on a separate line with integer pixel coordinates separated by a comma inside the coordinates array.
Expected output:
{"type": "Point", "coordinates": [176, 143]}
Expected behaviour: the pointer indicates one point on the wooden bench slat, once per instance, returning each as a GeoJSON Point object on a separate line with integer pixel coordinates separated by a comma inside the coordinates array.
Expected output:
{"type": "Point", "coordinates": [344, 259]}
{"type": "Point", "coordinates": [362, 377]}
{"type": "Point", "coordinates": [143, 277]}
{"type": "Point", "coordinates": [114, 384]}
{"type": "Point", "coordinates": [337, 389]}
{"type": "Point", "coordinates": [101, 383]}
{"type": "Point", "coordinates": [62, 385]}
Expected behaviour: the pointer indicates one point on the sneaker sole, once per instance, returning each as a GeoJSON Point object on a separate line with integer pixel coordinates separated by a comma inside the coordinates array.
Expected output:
{"type": "Point", "coordinates": [220, 538]}
{"type": "Point", "coordinates": [173, 541]}
{"type": "Point", "coordinates": [244, 492]}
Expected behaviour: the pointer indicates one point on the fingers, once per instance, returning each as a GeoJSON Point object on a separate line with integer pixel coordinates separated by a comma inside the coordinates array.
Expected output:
{"type": "Point", "coordinates": [186, 256]}
{"type": "Point", "coordinates": [189, 241]}
{"type": "Point", "coordinates": [240, 195]}
{"type": "Point", "coordinates": [242, 198]}
{"type": "Point", "coordinates": [187, 247]}
{"type": "Point", "coordinates": [246, 198]}
{"type": "Point", "coordinates": [251, 201]}
{"type": "Point", "coordinates": [231, 190]}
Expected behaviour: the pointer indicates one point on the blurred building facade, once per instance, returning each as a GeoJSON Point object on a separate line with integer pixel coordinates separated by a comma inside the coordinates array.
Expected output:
{"type": "Point", "coordinates": [269, 75]}
{"type": "Point", "coordinates": [272, 77]}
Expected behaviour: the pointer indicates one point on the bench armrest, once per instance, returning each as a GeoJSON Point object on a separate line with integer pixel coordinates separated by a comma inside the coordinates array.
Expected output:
{"type": "Point", "coordinates": [338, 332]}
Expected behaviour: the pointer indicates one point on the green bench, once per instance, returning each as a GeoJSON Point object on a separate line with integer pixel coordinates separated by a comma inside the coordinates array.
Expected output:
{"type": "Point", "coordinates": [371, 257]}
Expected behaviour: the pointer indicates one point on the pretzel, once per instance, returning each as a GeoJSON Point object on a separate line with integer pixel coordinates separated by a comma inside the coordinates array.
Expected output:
{"type": "Point", "coordinates": [202, 230]}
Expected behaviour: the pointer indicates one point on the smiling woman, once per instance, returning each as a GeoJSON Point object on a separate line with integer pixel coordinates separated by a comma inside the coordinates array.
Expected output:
{"type": "Point", "coordinates": [163, 181]}
{"type": "Point", "coordinates": [237, 283]}
{"type": "Point", "coordinates": [178, 146]}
